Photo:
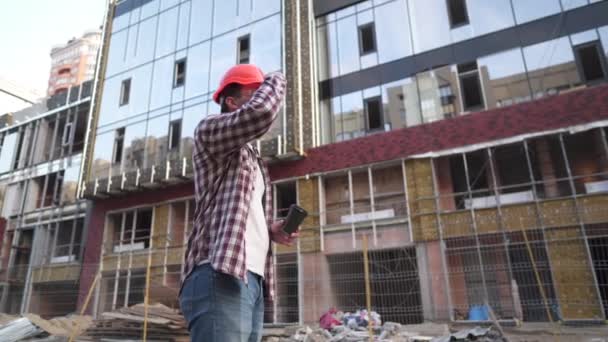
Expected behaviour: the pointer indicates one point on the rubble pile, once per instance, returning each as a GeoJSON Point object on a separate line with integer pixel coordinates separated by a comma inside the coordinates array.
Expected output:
{"type": "Point", "coordinates": [336, 326]}
{"type": "Point", "coordinates": [164, 324]}
{"type": "Point", "coordinates": [31, 327]}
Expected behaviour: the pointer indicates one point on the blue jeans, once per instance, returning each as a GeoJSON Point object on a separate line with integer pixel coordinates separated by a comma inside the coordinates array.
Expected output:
{"type": "Point", "coordinates": [222, 308]}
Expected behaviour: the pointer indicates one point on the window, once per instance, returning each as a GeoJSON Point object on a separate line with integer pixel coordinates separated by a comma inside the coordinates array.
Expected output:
{"type": "Point", "coordinates": [125, 91]}
{"type": "Point", "coordinates": [64, 71]}
{"type": "Point", "coordinates": [285, 196]}
{"type": "Point", "coordinates": [130, 231]}
{"type": "Point", "coordinates": [589, 61]}
{"type": "Point", "coordinates": [65, 140]}
{"type": "Point", "coordinates": [367, 39]}
{"type": "Point", "coordinates": [243, 50]}
{"type": "Point", "coordinates": [179, 73]}
{"type": "Point", "coordinates": [472, 97]}
{"type": "Point", "coordinates": [119, 138]}
{"type": "Point", "coordinates": [457, 11]}
{"type": "Point", "coordinates": [373, 112]}
{"type": "Point", "coordinates": [175, 132]}
{"type": "Point", "coordinates": [19, 150]}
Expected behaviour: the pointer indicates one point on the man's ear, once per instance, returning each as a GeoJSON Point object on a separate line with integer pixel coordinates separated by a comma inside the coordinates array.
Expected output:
{"type": "Point", "coordinates": [230, 103]}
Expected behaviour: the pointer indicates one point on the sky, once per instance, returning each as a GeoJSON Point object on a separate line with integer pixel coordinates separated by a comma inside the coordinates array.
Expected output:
{"type": "Point", "coordinates": [29, 28]}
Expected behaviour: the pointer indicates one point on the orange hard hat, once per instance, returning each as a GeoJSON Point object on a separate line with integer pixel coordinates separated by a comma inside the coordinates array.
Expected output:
{"type": "Point", "coordinates": [243, 74]}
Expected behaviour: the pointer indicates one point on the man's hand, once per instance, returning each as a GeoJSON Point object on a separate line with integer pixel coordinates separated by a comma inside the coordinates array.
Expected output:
{"type": "Point", "coordinates": [279, 236]}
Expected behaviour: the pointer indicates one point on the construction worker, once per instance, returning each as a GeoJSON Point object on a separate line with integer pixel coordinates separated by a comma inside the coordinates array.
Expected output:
{"type": "Point", "coordinates": [228, 264]}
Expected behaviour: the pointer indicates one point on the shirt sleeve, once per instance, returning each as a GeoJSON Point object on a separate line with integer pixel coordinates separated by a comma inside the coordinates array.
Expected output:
{"type": "Point", "coordinates": [225, 133]}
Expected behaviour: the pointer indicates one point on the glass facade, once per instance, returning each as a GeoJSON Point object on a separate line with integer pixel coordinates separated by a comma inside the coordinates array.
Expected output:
{"type": "Point", "coordinates": [494, 80]}
{"type": "Point", "coordinates": [146, 43]}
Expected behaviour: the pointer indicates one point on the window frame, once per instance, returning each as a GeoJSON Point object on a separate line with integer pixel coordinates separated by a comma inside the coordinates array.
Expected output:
{"type": "Point", "coordinates": [579, 63]}
{"type": "Point", "coordinates": [239, 58]}
{"type": "Point", "coordinates": [467, 19]}
{"type": "Point", "coordinates": [125, 92]}
{"type": "Point", "coordinates": [366, 103]}
{"type": "Point", "coordinates": [170, 146]}
{"type": "Point", "coordinates": [360, 28]}
{"type": "Point", "coordinates": [119, 136]}
{"type": "Point", "coordinates": [179, 80]}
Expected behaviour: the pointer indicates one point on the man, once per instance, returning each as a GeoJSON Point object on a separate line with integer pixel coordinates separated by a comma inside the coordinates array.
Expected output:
{"type": "Point", "coordinates": [228, 265]}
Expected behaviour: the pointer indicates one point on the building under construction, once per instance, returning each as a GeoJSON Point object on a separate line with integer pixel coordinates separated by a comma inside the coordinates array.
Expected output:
{"type": "Point", "coordinates": [466, 142]}
{"type": "Point", "coordinates": [44, 221]}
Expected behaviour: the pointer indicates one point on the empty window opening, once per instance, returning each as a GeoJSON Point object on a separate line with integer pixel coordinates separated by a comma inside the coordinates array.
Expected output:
{"type": "Point", "coordinates": [243, 50]}
{"type": "Point", "coordinates": [119, 138]}
{"type": "Point", "coordinates": [286, 196]}
{"type": "Point", "coordinates": [470, 86]}
{"type": "Point", "coordinates": [67, 135]}
{"type": "Point", "coordinates": [512, 172]}
{"type": "Point", "coordinates": [287, 290]}
{"type": "Point", "coordinates": [16, 163]}
{"type": "Point", "coordinates": [589, 58]}
{"type": "Point", "coordinates": [80, 131]}
{"type": "Point", "coordinates": [179, 74]}
{"type": "Point", "coordinates": [394, 269]}
{"type": "Point", "coordinates": [125, 92]}
{"type": "Point", "coordinates": [373, 113]}
{"type": "Point", "coordinates": [175, 132]}
{"type": "Point", "coordinates": [129, 231]}
{"type": "Point", "coordinates": [65, 246]}
{"type": "Point", "coordinates": [457, 10]}
{"type": "Point", "coordinates": [367, 39]}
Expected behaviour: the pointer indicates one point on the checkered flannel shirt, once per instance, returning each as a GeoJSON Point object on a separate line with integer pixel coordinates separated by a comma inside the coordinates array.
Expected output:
{"type": "Point", "coordinates": [224, 165]}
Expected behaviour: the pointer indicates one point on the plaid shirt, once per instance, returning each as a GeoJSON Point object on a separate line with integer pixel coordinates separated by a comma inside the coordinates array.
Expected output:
{"type": "Point", "coordinates": [224, 165]}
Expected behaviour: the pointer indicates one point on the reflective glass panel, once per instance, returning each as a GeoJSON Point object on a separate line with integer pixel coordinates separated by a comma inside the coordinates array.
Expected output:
{"type": "Point", "coordinates": [116, 56]}
{"type": "Point", "coordinates": [192, 116]}
{"type": "Point", "coordinates": [70, 182]}
{"type": "Point", "coordinates": [162, 82]}
{"type": "Point", "coordinates": [102, 155]}
{"type": "Point", "coordinates": [570, 4]}
{"type": "Point", "coordinates": [164, 4]}
{"type": "Point", "coordinates": [227, 10]}
{"type": "Point", "coordinates": [603, 31]}
{"type": "Point", "coordinates": [439, 95]}
{"type": "Point", "coordinates": [503, 77]}
{"type": "Point", "coordinates": [266, 44]}
{"type": "Point", "coordinates": [146, 34]}
{"type": "Point", "coordinates": [223, 56]}
{"type": "Point", "coordinates": [401, 103]}
{"type": "Point", "coordinates": [149, 8]}
{"type": "Point", "coordinates": [348, 45]}
{"type": "Point", "coordinates": [134, 146]}
{"type": "Point", "coordinates": [157, 141]}
{"type": "Point", "coordinates": [7, 151]}
{"type": "Point", "coordinates": [263, 8]}
{"type": "Point", "coordinates": [327, 46]}
{"type": "Point", "coordinates": [184, 24]}
{"type": "Point", "coordinates": [551, 67]}
{"type": "Point", "coordinates": [167, 32]}
{"type": "Point", "coordinates": [429, 31]}
{"type": "Point", "coordinates": [197, 72]}
{"type": "Point", "coordinates": [526, 10]}
{"type": "Point", "coordinates": [392, 31]}
{"type": "Point", "coordinates": [489, 16]}
{"type": "Point", "coordinates": [352, 116]}
{"type": "Point", "coordinates": [140, 90]}
{"type": "Point", "coordinates": [200, 23]}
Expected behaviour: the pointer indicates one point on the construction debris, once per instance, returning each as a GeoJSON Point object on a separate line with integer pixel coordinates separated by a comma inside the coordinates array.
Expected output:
{"type": "Point", "coordinates": [164, 324]}
{"type": "Point", "coordinates": [389, 332]}
{"type": "Point", "coordinates": [35, 328]}
{"type": "Point", "coordinates": [18, 330]}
